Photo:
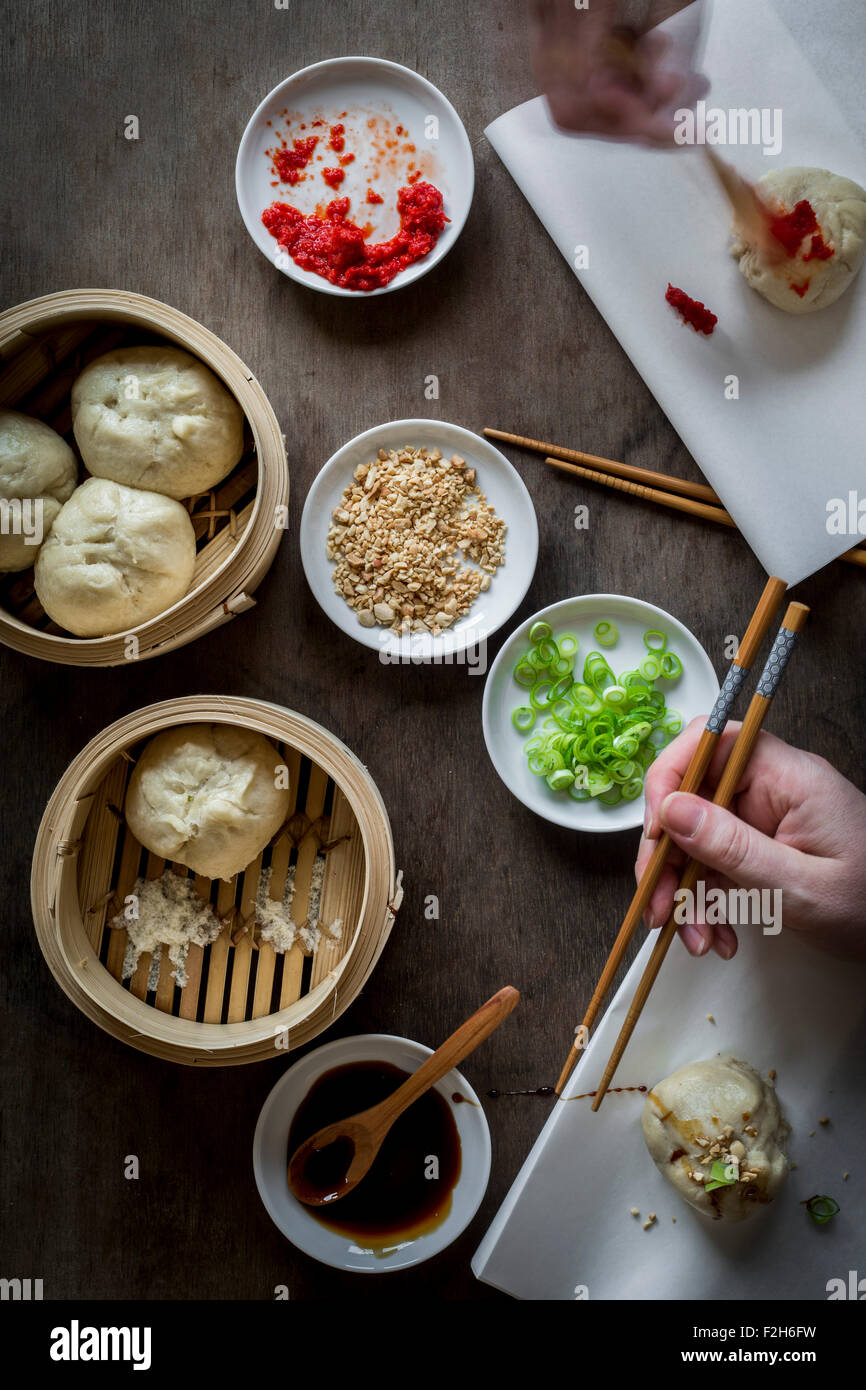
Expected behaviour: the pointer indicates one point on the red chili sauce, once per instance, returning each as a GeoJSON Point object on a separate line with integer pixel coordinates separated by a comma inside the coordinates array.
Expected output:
{"type": "Point", "coordinates": [691, 310]}
{"type": "Point", "coordinates": [333, 177]}
{"type": "Point", "coordinates": [337, 140]}
{"type": "Point", "coordinates": [289, 163]}
{"type": "Point", "coordinates": [334, 247]}
{"type": "Point", "coordinates": [791, 229]}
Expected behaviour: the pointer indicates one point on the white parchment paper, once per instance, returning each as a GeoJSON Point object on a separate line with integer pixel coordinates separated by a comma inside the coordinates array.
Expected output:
{"type": "Point", "coordinates": [566, 1221]}
{"type": "Point", "coordinates": [796, 437]}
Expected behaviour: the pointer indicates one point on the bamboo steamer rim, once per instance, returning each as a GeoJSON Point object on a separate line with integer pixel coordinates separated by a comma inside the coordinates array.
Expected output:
{"type": "Point", "coordinates": [228, 589]}
{"type": "Point", "coordinates": [57, 910]}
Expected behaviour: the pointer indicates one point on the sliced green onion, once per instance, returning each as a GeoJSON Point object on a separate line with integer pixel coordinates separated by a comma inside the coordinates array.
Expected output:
{"type": "Point", "coordinates": [721, 1175]}
{"type": "Point", "coordinates": [560, 780]}
{"type": "Point", "coordinates": [821, 1208]}
{"type": "Point", "coordinates": [597, 673]}
{"type": "Point", "coordinates": [525, 673]}
{"type": "Point", "coordinates": [541, 695]}
{"type": "Point", "coordinates": [594, 738]}
{"type": "Point", "coordinates": [614, 696]}
{"type": "Point", "coordinates": [611, 797]}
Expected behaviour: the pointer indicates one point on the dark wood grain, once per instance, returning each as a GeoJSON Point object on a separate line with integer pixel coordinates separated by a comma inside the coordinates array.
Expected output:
{"type": "Point", "coordinates": [516, 344]}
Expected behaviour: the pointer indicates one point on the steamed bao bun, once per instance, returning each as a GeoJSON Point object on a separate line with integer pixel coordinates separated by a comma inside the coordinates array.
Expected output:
{"type": "Point", "coordinates": [156, 418]}
{"type": "Point", "coordinates": [723, 1104]}
{"type": "Point", "coordinates": [35, 464]}
{"type": "Point", "coordinates": [115, 558]}
{"type": "Point", "coordinates": [839, 205]}
{"type": "Point", "coordinates": [205, 795]}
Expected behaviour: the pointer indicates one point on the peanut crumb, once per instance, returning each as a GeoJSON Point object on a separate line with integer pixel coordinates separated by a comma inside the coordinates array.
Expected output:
{"type": "Point", "coordinates": [635, 1212]}
{"type": "Point", "coordinates": [710, 1018]}
{"type": "Point", "coordinates": [825, 1120]}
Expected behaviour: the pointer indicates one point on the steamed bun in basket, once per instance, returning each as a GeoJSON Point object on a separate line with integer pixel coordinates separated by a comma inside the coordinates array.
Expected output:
{"type": "Point", "coordinates": [210, 796]}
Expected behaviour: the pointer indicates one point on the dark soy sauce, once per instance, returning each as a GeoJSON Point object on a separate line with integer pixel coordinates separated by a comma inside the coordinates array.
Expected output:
{"type": "Point", "coordinates": [395, 1201]}
{"type": "Point", "coordinates": [534, 1091]}
{"type": "Point", "coordinates": [545, 1091]}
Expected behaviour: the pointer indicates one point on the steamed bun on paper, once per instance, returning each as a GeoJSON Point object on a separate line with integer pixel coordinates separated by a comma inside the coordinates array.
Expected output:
{"type": "Point", "coordinates": [116, 557]}
{"type": "Point", "coordinates": [38, 470]}
{"type": "Point", "coordinates": [210, 796]}
{"type": "Point", "coordinates": [822, 261]}
{"type": "Point", "coordinates": [719, 1110]}
{"type": "Point", "coordinates": [156, 418]}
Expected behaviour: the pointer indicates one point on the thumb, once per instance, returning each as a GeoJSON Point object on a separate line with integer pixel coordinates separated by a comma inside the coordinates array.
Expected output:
{"type": "Point", "coordinates": [721, 841]}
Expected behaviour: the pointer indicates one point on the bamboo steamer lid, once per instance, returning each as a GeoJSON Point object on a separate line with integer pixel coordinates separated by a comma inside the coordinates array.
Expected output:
{"type": "Point", "coordinates": [44, 344]}
{"type": "Point", "coordinates": [240, 1004]}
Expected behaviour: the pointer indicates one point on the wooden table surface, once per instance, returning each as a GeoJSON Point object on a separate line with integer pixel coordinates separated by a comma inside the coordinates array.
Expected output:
{"type": "Point", "coordinates": [516, 344]}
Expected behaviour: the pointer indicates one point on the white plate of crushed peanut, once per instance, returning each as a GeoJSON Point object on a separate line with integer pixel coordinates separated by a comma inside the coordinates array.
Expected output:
{"type": "Point", "coordinates": [419, 539]}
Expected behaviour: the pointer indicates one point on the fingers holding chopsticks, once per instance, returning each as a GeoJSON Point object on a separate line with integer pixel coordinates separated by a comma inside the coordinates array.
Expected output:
{"type": "Point", "coordinates": [796, 829]}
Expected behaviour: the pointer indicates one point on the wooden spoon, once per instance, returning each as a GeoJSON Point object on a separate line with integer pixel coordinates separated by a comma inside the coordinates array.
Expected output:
{"type": "Point", "coordinates": [317, 1177]}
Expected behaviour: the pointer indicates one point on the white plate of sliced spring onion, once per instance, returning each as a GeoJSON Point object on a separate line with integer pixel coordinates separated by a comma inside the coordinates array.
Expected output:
{"type": "Point", "coordinates": [582, 698]}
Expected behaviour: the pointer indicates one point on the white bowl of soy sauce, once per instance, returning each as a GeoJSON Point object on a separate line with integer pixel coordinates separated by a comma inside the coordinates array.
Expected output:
{"type": "Point", "coordinates": [427, 1181]}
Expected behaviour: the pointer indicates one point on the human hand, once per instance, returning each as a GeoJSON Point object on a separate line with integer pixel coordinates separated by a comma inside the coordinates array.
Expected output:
{"type": "Point", "coordinates": [796, 824]}
{"type": "Point", "coordinates": [590, 91]}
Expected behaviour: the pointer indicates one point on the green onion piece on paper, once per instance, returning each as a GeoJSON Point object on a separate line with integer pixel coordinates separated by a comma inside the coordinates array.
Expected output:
{"type": "Point", "coordinates": [821, 1208]}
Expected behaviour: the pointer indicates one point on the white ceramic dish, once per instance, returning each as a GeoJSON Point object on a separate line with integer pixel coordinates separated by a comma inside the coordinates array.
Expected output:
{"type": "Point", "coordinates": [295, 1221]}
{"type": "Point", "coordinates": [692, 694]}
{"type": "Point", "coordinates": [504, 490]}
{"type": "Point", "coordinates": [365, 88]}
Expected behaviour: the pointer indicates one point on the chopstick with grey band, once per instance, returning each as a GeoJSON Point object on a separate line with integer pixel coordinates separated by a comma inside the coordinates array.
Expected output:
{"type": "Point", "coordinates": [780, 653]}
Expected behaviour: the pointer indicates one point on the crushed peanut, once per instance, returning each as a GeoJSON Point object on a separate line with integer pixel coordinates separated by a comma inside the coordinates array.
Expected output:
{"type": "Point", "coordinates": [396, 535]}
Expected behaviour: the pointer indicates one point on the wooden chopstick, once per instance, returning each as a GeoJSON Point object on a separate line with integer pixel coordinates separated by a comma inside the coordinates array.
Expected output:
{"type": "Point", "coordinates": [757, 630]}
{"type": "Point", "coordinates": [700, 491]}
{"type": "Point", "coordinates": [857, 556]}
{"type": "Point", "coordinates": [751, 214]}
{"type": "Point", "coordinates": [795, 617]}
{"type": "Point", "coordinates": [650, 494]}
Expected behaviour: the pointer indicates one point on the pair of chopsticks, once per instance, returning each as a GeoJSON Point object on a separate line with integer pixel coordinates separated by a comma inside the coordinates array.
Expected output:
{"type": "Point", "coordinates": [795, 617]}
{"type": "Point", "coordinates": [748, 649]}
{"type": "Point", "coordinates": [696, 499]}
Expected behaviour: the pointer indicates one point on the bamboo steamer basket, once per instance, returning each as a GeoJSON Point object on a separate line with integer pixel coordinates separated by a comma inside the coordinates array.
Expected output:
{"type": "Point", "coordinates": [241, 1004]}
{"type": "Point", "coordinates": [44, 344]}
